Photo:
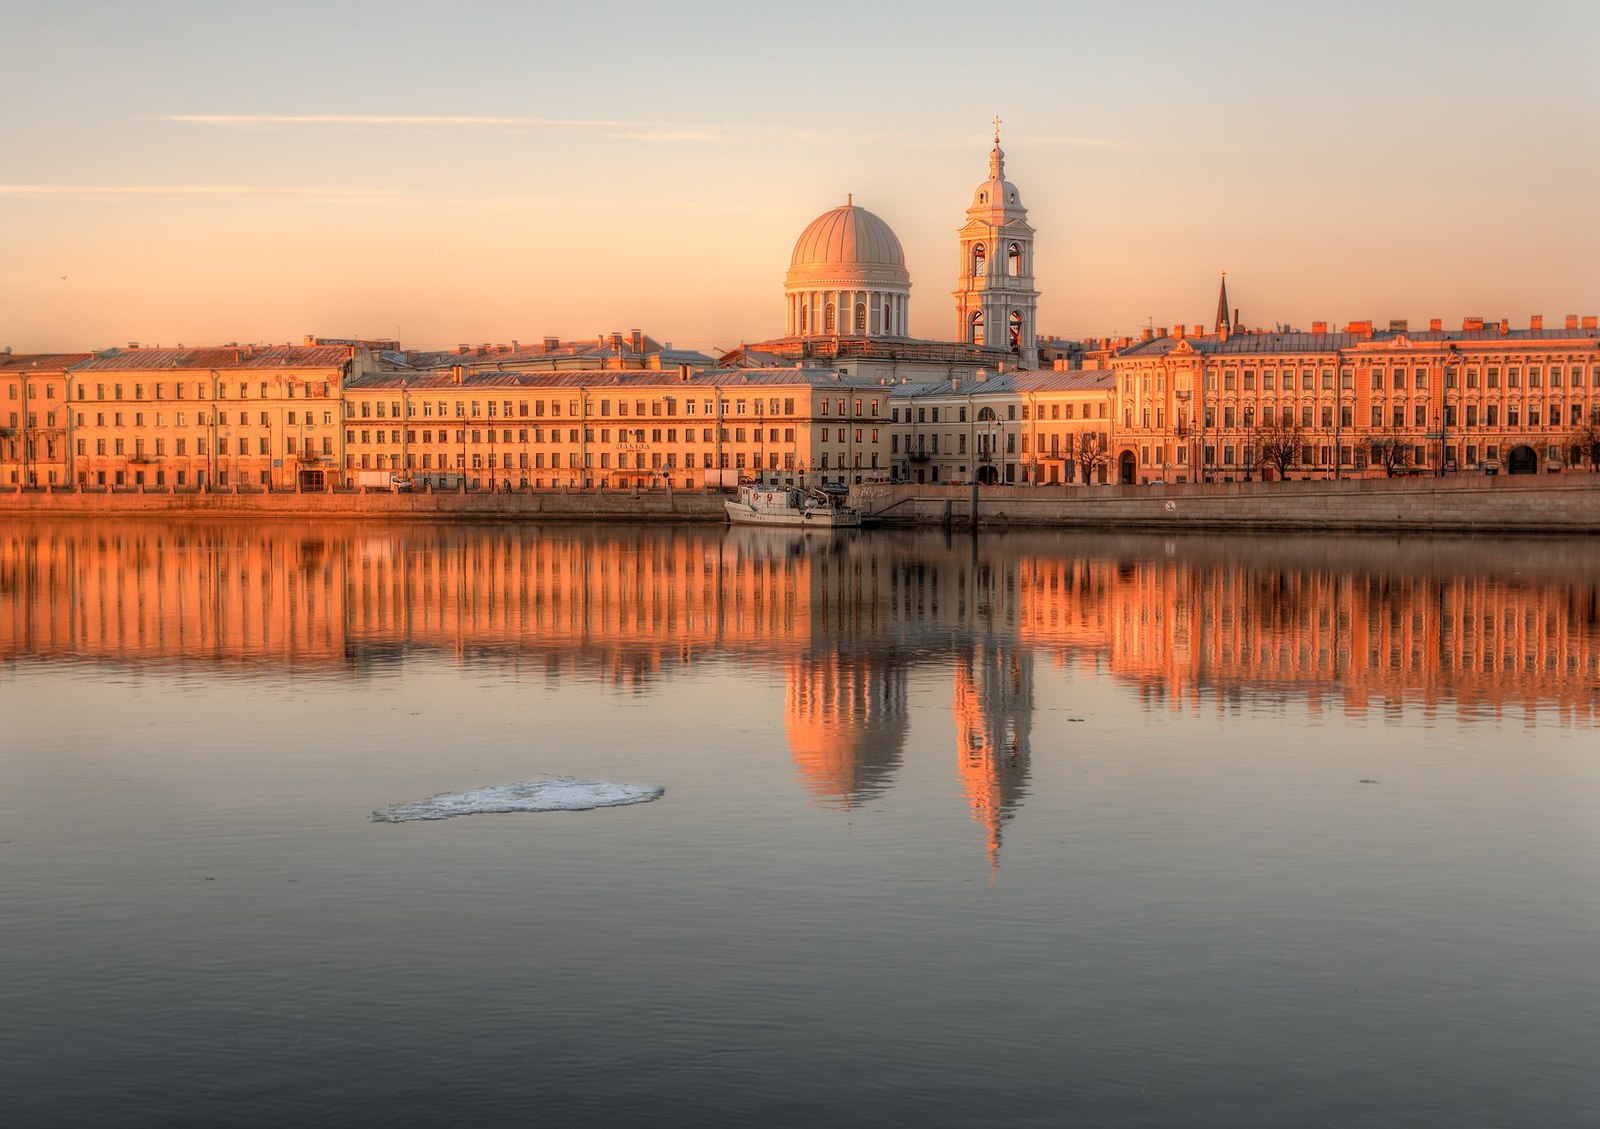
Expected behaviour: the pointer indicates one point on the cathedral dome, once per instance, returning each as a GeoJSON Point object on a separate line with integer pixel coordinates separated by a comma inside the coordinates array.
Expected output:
{"type": "Point", "coordinates": [847, 235]}
{"type": "Point", "coordinates": [847, 277]}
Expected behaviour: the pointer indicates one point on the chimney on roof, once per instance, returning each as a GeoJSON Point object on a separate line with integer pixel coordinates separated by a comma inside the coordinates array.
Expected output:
{"type": "Point", "coordinates": [309, 339]}
{"type": "Point", "coordinates": [1471, 323]}
{"type": "Point", "coordinates": [551, 344]}
{"type": "Point", "coordinates": [1146, 333]}
{"type": "Point", "coordinates": [1588, 322]}
{"type": "Point", "coordinates": [1399, 325]}
{"type": "Point", "coordinates": [1319, 327]}
{"type": "Point", "coordinates": [133, 344]}
{"type": "Point", "coordinates": [1505, 326]}
{"type": "Point", "coordinates": [1199, 331]}
{"type": "Point", "coordinates": [463, 349]}
{"type": "Point", "coordinates": [981, 375]}
{"type": "Point", "coordinates": [683, 372]}
{"type": "Point", "coordinates": [1178, 332]}
{"type": "Point", "coordinates": [1435, 325]}
{"type": "Point", "coordinates": [456, 373]}
{"type": "Point", "coordinates": [616, 341]}
{"type": "Point", "coordinates": [1161, 331]}
{"type": "Point", "coordinates": [955, 382]}
{"type": "Point", "coordinates": [1536, 322]}
{"type": "Point", "coordinates": [638, 340]}
{"type": "Point", "coordinates": [1572, 321]}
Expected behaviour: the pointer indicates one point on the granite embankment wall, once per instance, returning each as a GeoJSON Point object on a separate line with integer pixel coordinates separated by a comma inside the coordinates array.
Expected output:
{"type": "Point", "coordinates": [1552, 504]}
{"type": "Point", "coordinates": [1481, 504]}
{"type": "Point", "coordinates": [610, 505]}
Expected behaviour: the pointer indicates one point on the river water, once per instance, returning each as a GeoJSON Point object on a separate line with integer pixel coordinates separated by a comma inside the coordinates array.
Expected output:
{"type": "Point", "coordinates": [1021, 829]}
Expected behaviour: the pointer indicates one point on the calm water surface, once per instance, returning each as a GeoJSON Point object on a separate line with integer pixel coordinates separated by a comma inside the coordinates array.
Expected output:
{"type": "Point", "coordinates": [1034, 829]}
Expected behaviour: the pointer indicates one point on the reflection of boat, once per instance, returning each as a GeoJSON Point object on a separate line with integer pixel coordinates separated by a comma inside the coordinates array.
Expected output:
{"type": "Point", "coordinates": [789, 505]}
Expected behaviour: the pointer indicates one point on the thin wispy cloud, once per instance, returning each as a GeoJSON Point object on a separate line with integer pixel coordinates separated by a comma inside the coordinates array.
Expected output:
{"type": "Point", "coordinates": [642, 131]}
{"type": "Point", "coordinates": [379, 119]}
{"type": "Point", "coordinates": [239, 191]}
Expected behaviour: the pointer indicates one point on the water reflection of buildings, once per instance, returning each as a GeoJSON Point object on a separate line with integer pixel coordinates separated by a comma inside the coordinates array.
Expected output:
{"type": "Point", "coordinates": [994, 717]}
{"type": "Point", "coordinates": [1188, 624]}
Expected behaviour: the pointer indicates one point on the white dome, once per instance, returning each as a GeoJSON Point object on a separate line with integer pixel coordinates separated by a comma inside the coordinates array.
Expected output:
{"type": "Point", "coordinates": [847, 277]}
{"type": "Point", "coordinates": [846, 235]}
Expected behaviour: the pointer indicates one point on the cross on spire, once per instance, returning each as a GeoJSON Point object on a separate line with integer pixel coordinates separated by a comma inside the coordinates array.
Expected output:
{"type": "Point", "coordinates": [997, 129]}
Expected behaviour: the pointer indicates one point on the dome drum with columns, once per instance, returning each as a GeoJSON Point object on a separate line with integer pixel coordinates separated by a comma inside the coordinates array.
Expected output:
{"type": "Point", "coordinates": [847, 278]}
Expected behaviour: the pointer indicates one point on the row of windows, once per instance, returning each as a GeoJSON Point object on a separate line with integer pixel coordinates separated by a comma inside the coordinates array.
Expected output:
{"type": "Point", "coordinates": [524, 460]}
{"type": "Point", "coordinates": [13, 391]}
{"type": "Point", "coordinates": [306, 389]}
{"type": "Point", "coordinates": [556, 435]}
{"type": "Point", "coordinates": [524, 409]}
{"type": "Point", "coordinates": [958, 413]}
{"type": "Point", "coordinates": [295, 419]}
{"type": "Point", "coordinates": [225, 446]}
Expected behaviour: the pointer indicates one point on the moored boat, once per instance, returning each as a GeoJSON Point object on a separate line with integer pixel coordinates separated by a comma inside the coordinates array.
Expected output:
{"type": "Point", "coordinates": [789, 506]}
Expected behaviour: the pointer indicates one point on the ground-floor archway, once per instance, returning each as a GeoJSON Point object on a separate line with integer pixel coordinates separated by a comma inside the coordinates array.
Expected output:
{"type": "Point", "coordinates": [1128, 468]}
{"type": "Point", "coordinates": [1522, 460]}
{"type": "Point", "coordinates": [988, 475]}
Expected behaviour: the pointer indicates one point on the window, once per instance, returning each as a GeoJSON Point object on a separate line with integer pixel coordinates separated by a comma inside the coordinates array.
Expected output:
{"type": "Point", "coordinates": [980, 260]}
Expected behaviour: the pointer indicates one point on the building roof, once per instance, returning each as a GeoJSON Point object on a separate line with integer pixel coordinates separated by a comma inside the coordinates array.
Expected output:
{"type": "Point", "coordinates": [787, 350]}
{"type": "Point", "coordinates": [1295, 342]}
{"type": "Point", "coordinates": [258, 357]}
{"type": "Point", "coordinates": [607, 379]}
{"type": "Point", "coordinates": [40, 362]}
{"type": "Point", "coordinates": [1020, 381]}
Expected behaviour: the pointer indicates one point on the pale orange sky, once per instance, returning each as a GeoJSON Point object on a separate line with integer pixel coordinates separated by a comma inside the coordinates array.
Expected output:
{"type": "Point", "coordinates": [188, 172]}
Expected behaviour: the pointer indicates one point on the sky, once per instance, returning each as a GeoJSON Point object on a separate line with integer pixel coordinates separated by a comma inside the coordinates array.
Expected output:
{"type": "Point", "coordinates": [193, 172]}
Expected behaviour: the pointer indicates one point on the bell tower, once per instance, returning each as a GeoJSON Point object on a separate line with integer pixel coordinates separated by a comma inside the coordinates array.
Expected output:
{"type": "Point", "coordinates": [996, 303]}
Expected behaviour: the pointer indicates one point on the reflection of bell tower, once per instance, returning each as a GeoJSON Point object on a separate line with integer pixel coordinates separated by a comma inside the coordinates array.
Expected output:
{"type": "Point", "coordinates": [994, 719]}
{"type": "Point", "coordinates": [996, 303]}
{"type": "Point", "coordinates": [845, 716]}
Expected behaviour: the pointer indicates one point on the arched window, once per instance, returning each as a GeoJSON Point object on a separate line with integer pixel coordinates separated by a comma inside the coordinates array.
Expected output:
{"type": "Point", "coordinates": [861, 319]}
{"type": "Point", "coordinates": [805, 326]}
{"type": "Point", "coordinates": [975, 328]}
{"type": "Point", "coordinates": [829, 324]}
{"type": "Point", "coordinates": [887, 329]}
{"type": "Point", "coordinates": [986, 415]}
{"type": "Point", "coordinates": [980, 258]}
{"type": "Point", "coordinates": [1014, 260]}
{"type": "Point", "coordinates": [1014, 329]}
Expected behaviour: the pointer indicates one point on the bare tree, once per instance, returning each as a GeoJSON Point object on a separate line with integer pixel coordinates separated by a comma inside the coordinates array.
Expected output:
{"type": "Point", "coordinates": [1278, 446]}
{"type": "Point", "coordinates": [1093, 453]}
{"type": "Point", "coordinates": [1389, 450]}
{"type": "Point", "coordinates": [1583, 445]}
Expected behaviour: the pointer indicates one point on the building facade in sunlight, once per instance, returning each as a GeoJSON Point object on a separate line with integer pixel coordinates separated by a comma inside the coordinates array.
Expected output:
{"type": "Point", "coordinates": [846, 397]}
{"type": "Point", "coordinates": [1230, 404]}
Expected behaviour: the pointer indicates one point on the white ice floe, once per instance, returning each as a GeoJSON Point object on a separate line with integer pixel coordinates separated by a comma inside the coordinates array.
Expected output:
{"type": "Point", "coordinates": [557, 793]}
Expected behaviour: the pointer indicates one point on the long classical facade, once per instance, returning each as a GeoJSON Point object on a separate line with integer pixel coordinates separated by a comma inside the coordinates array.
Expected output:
{"type": "Point", "coordinates": [846, 397]}
{"type": "Point", "coordinates": [617, 428]}
{"type": "Point", "coordinates": [1485, 398]}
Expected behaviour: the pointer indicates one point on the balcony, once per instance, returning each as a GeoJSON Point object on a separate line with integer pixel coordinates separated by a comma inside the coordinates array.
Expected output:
{"type": "Point", "coordinates": [919, 456]}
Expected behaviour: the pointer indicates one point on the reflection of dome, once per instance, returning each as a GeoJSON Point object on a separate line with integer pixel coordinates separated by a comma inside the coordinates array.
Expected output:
{"type": "Point", "coordinates": [847, 235]}
{"type": "Point", "coordinates": [847, 277]}
{"type": "Point", "coordinates": [846, 723]}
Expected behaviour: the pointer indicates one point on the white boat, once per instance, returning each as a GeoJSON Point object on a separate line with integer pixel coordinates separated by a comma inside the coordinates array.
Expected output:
{"type": "Point", "coordinates": [790, 506]}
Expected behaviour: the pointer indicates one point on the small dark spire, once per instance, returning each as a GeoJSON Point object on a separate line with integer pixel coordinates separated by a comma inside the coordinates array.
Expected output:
{"type": "Point", "coordinates": [1224, 324]}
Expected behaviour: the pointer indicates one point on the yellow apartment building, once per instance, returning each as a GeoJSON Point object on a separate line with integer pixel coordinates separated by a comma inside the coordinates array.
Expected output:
{"type": "Point", "coordinates": [616, 428]}
{"type": "Point", "coordinates": [34, 451]}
